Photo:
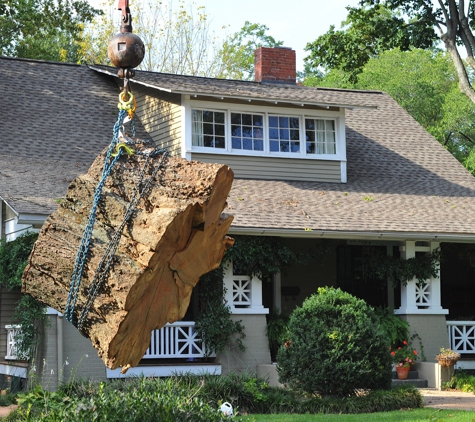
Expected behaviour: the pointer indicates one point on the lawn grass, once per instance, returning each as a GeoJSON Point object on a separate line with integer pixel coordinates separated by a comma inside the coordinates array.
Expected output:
{"type": "Point", "coordinates": [416, 415]}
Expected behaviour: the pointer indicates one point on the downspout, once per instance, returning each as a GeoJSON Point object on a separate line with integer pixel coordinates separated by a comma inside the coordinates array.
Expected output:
{"type": "Point", "coordinates": [59, 339]}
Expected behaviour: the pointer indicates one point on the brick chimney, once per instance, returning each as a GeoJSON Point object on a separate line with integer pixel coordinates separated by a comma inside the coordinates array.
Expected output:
{"type": "Point", "coordinates": [275, 65]}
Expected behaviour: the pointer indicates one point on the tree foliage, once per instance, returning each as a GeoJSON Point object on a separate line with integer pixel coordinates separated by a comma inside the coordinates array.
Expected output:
{"type": "Point", "coordinates": [237, 53]}
{"type": "Point", "coordinates": [425, 83]}
{"type": "Point", "coordinates": [43, 29]}
{"type": "Point", "coordinates": [386, 24]}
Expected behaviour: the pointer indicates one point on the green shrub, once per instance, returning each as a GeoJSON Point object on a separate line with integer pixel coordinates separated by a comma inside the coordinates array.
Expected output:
{"type": "Point", "coordinates": [335, 347]}
{"type": "Point", "coordinates": [462, 380]}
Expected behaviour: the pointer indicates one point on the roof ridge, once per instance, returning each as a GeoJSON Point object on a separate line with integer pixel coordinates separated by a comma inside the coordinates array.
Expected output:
{"type": "Point", "coordinates": [39, 61]}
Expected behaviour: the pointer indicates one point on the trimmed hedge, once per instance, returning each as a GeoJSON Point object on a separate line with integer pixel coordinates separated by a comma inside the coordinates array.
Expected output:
{"type": "Point", "coordinates": [193, 398]}
{"type": "Point", "coordinates": [336, 347]}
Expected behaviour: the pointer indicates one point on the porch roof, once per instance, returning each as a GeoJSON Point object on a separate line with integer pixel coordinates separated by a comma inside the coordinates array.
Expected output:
{"type": "Point", "coordinates": [401, 183]}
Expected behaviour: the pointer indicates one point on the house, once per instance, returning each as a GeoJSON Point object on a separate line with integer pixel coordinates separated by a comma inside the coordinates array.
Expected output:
{"type": "Point", "coordinates": [329, 169]}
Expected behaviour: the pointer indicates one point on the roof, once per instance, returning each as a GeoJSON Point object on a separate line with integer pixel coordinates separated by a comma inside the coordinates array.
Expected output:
{"type": "Point", "coordinates": [228, 88]}
{"type": "Point", "coordinates": [401, 181]}
{"type": "Point", "coordinates": [56, 119]}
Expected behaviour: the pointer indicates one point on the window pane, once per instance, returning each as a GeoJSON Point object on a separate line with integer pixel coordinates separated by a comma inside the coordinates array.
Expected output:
{"type": "Point", "coordinates": [274, 133]}
{"type": "Point", "coordinates": [235, 118]}
{"type": "Point", "coordinates": [309, 124]}
{"type": "Point", "coordinates": [310, 136]}
{"type": "Point", "coordinates": [208, 129]}
{"type": "Point", "coordinates": [284, 134]}
{"type": "Point", "coordinates": [320, 124]}
{"type": "Point", "coordinates": [258, 145]}
{"type": "Point", "coordinates": [284, 122]}
{"type": "Point", "coordinates": [330, 125]}
{"type": "Point", "coordinates": [219, 142]}
{"type": "Point", "coordinates": [219, 130]}
{"type": "Point", "coordinates": [247, 143]}
{"type": "Point", "coordinates": [197, 116]}
{"type": "Point", "coordinates": [208, 116]}
{"type": "Point", "coordinates": [236, 143]}
{"type": "Point", "coordinates": [197, 139]}
{"type": "Point", "coordinates": [257, 120]}
{"type": "Point", "coordinates": [284, 147]}
{"type": "Point", "coordinates": [219, 118]}
{"type": "Point", "coordinates": [236, 130]}
{"type": "Point", "coordinates": [208, 141]}
{"type": "Point", "coordinates": [247, 119]}
{"type": "Point", "coordinates": [320, 148]}
{"type": "Point", "coordinates": [294, 122]}
{"type": "Point", "coordinates": [247, 131]}
{"type": "Point", "coordinates": [294, 135]}
{"type": "Point", "coordinates": [295, 146]}
{"type": "Point", "coordinates": [258, 133]}
{"type": "Point", "coordinates": [310, 148]}
{"type": "Point", "coordinates": [273, 121]}
{"type": "Point", "coordinates": [274, 146]}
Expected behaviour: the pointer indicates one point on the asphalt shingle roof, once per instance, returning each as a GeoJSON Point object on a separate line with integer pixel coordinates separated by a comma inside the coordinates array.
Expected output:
{"type": "Point", "coordinates": [58, 117]}
{"type": "Point", "coordinates": [182, 84]}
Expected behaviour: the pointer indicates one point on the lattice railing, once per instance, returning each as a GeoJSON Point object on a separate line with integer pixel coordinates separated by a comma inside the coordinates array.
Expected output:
{"type": "Point", "coordinates": [177, 340]}
{"type": "Point", "coordinates": [462, 336]}
{"type": "Point", "coordinates": [423, 297]}
{"type": "Point", "coordinates": [241, 291]}
{"type": "Point", "coordinates": [12, 331]}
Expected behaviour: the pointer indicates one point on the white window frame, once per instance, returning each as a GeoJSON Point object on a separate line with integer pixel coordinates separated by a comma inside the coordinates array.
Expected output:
{"type": "Point", "coordinates": [337, 116]}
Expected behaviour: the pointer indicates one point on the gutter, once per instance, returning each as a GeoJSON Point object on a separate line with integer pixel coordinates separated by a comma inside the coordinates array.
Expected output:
{"type": "Point", "coordinates": [353, 235]}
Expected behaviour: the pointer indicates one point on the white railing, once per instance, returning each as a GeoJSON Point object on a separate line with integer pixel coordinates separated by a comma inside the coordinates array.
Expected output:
{"type": "Point", "coordinates": [177, 340]}
{"type": "Point", "coordinates": [462, 336]}
{"type": "Point", "coordinates": [12, 331]}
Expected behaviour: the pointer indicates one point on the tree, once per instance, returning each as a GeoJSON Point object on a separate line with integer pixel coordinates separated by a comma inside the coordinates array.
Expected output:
{"type": "Point", "coordinates": [237, 52]}
{"type": "Point", "coordinates": [416, 23]}
{"type": "Point", "coordinates": [365, 34]}
{"type": "Point", "coordinates": [43, 29]}
{"type": "Point", "coordinates": [424, 82]}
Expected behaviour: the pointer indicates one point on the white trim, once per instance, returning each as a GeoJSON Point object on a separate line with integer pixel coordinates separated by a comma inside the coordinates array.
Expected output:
{"type": "Point", "coordinates": [14, 371]}
{"type": "Point", "coordinates": [52, 311]}
{"type": "Point", "coordinates": [416, 311]}
{"type": "Point", "coordinates": [343, 171]}
{"type": "Point", "coordinates": [266, 111]}
{"type": "Point", "coordinates": [363, 235]}
{"type": "Point", "coordinates": [164, 371]}
{"type": "Point", "coordinates": [32, 219]}
{"type": "Point", "coordinates": [250, 311]}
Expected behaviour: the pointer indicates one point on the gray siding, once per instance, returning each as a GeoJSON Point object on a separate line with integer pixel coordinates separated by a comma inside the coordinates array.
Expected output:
{"type": "Point", "coordinates": [8, 300]}
{"type": "Point", "coordinates": [257, 346]}
{"type": "Point", "coordinates": [272, 168]}
{"type": "Point", "coordinates": [160, 113]}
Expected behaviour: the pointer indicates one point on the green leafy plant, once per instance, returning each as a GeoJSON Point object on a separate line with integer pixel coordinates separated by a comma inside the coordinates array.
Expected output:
{"type": "Point", "coordinates": [214, 324]}
{"type": "Point", "coordinates": [384, 267]}
{"type": "Point", "coordinates": [394, 328]}
{"type": "Point", "coordinates": [277, 331]}
{"type": "Point", "coordinates": [29, 313]}
{"type": "Point", "coordinates": [404, 355]}
{"type": "Point", "coordinates": [335, 347]}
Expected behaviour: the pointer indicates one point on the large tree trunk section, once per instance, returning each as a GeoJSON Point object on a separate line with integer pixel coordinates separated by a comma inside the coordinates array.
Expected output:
{"type": "Point", "coordinates": [176, 235]}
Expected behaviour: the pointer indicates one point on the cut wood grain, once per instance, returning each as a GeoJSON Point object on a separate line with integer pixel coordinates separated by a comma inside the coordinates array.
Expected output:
{"type": "Point", "coordinates": [177, 234]}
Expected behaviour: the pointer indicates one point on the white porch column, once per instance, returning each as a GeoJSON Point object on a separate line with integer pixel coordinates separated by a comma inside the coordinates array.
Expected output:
{"type": "Point", "coordinates": [408, 292]}
{"type": "Point", "coordinates": [417, 299]}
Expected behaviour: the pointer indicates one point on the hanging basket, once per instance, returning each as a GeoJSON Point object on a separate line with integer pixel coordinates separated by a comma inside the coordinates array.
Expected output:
{"type": "Point", "coordinates": [447, 361]}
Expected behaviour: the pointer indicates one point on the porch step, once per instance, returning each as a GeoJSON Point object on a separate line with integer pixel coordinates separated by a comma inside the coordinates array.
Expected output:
{"type": "Point", "coordinates": [412, 379]}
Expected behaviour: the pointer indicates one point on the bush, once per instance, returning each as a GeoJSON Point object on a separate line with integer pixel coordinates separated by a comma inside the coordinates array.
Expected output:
{"type": "Point", "coordinates": [335, 347]}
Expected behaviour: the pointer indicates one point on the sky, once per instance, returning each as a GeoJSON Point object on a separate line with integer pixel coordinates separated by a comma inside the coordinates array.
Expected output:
{"type": "Point", "coordinates": [294, 22]}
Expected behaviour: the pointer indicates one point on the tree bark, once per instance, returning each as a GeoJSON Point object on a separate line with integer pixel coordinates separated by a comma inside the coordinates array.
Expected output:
{"type": "Point", "coordinates": [176, 234]}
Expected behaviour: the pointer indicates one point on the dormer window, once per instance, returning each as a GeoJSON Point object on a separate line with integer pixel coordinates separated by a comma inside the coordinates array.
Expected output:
{"type": "Point", "coordinates": [320, 136]}
{"type": "Point", "coordinates": [255, 130]}
{"type": "Point", "coordinates": [208, 128]}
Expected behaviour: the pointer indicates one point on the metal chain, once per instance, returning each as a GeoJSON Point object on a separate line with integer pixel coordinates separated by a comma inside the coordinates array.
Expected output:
{"type": "Point", "coordinates": [141, 189]}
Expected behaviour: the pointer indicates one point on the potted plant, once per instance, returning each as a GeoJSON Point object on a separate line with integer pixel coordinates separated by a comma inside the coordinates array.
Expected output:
{"type": "Point", "coordinates": [404, 357]}
{"type": "Point", "coordinates": [447, 357]}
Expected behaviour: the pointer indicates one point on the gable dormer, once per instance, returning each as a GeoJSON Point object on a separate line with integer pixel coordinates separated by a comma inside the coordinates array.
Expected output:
{"type": "Point", "coordinates": [271, 128]}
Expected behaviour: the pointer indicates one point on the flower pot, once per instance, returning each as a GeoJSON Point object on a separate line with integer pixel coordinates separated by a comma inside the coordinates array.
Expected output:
{"type": "Point", "coordinates": [402, 372]}
{"type": "Point", "coordinates": [446, 361]}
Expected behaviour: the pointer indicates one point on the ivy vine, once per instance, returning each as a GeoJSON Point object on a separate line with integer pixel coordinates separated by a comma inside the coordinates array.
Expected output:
{"type": "Point", "coordinates": [255, 256]}
{"type": "Point", "coordinates": [29, 313]}
{"type": "Point", "coordinates": [398, 270]}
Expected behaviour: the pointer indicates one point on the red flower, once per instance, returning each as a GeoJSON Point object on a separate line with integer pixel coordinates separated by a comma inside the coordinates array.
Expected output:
{"type": "Point", "coordinates": [393, 353]}
{"type": "Point", "coordinates": [415, 352]}
{"type": "Point", "coordinates": [404, 342]}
